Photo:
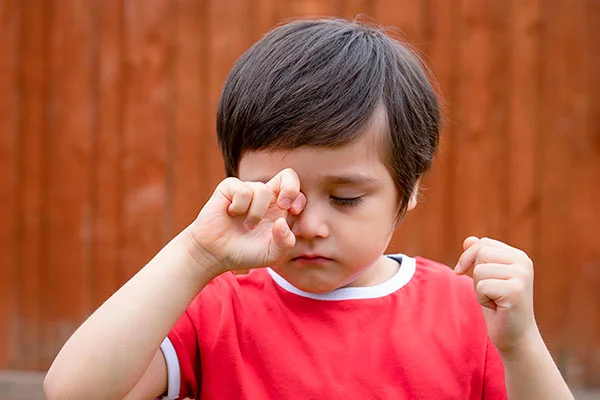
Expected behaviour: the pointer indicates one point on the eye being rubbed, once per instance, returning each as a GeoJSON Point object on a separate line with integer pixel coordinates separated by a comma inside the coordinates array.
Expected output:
{"type": "Point", "coordinates": [346, 202]}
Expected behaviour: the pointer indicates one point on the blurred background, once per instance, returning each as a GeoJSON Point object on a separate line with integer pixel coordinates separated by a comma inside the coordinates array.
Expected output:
{"type": "Point", "coordinates": [108, 149]}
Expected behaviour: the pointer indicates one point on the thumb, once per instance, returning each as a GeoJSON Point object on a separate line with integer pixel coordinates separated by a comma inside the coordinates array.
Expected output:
{"type": "Point", "coordinates": [283, 238]}
{"type": "Point", "coordinates": [470, 241]}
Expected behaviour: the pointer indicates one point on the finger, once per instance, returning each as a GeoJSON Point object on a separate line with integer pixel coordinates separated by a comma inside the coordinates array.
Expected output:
{"type": "Point", "coordinates": [497, 255]}
{"type": "Point", "coordinates": [470, 241]}
{"type": "Point", "coordinates": [262, 197]}
{"type": "Point", "coordinates": [467, 259]}
{"type": "Point", "coordinates": [298, 204]}
{"type": "Point", "coordinates": [238, 193]}
{"type": "Point", "coordinates": [283, 238]}
{"type": "Point", "coordinates": [482, 251]}
{"type": "Point", "coordinates": [494, 271]}
{"type": "Point", "coordinates": [494, 293]}
{"type": "Point", "coordinates": [286, 186]}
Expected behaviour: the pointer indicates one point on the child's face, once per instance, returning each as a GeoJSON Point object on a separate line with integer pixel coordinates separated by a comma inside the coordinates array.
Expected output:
{"type": "Point", "coordinates": [349, 216]}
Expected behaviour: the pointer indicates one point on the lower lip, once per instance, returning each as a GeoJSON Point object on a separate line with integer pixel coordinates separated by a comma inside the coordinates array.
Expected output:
{"type": "Point", "coordinates": [312, 261]}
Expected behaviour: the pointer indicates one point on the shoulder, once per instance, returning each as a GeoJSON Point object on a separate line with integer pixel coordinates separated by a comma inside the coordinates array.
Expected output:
{"type": "Point", "coordinates": [436, 273]}
{"type": "Point", "coordinates": [230, 287]}
{"type": "Point", "coordinates": [437, 284]}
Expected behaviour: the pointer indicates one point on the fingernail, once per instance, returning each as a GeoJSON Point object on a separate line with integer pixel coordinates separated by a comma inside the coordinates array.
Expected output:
{"type": "Point", "coordinates": [285, 203]}
{"type": "Point", "coordinates": [457, 267]}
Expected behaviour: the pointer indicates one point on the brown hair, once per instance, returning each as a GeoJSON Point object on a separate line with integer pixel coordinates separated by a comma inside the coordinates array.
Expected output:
{"type": "Point", "coordinates": [317, 83]}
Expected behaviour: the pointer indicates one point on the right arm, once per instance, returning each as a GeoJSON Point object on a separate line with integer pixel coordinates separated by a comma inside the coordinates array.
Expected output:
{"type": "Point", "coordinates": [115, 353]}
{"type": "Point", "coordinates": [112, 349]}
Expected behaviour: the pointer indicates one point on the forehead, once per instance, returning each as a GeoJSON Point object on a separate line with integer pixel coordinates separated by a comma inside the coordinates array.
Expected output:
{"type": "Point", "coordinates": [363, 157]}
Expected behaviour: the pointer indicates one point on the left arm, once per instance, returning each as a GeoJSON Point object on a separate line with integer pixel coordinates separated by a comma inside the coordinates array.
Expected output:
{"type": "Point", "coordinates": [503, 279]}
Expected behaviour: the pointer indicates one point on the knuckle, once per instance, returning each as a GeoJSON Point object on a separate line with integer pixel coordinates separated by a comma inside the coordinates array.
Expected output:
{"type": "Point", "coordinates": [244, 191]}
{"type": "Point", "coordinates": [516, 286]}
{"type": "Point", "coordinates": [485, 253]}
{"type": "Point", "coordinates": [481, 285]}
{"type": "Point", "coordinates": [229, 182]}
{"type": "Point", "coordinates": [478, 271]}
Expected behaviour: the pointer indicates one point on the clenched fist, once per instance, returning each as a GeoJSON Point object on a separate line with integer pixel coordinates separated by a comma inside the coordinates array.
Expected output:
{"type": "Point", "coordinates": [503, 279]}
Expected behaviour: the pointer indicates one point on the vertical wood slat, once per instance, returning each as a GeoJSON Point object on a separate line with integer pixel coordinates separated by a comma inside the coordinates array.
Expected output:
{"type": "Point", "coordinates": [351, 9]}
{"type": "Point", "coordinates": [411, 31]}
{"type": "Point", "coordinates": [477, 181]}
{"type": "Point", "coordinates": [32, 80]}
{"type": "Point", "coordinates": [523, 120]}
{"type": "Point", "coordinates": [558, 43]}
{"type": "Point", "coordinates": [9, 101]}
{"type": "Point", "coordinates": [190, 114]}
{"type": "Point", "coordinates": [68, 173]}
{"type": "Point", "coordinates": [107, 185]}
{"type": "Point", "coordinates": [437, 201]}
{"type": "Point", "coordinates": [146, 127]}
{"type": "Point", "coordinates": [582, 322]}
{"type": "Point", "coordinates": [312, 8]}
{"type": "Point", "coordinates": [230, 34]}
{"type": "Point", "coordinates": [588, 209]}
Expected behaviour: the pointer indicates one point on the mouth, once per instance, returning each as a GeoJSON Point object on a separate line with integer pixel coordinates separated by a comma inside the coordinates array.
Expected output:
{"type": "Point", "coordinates": [311, 259]}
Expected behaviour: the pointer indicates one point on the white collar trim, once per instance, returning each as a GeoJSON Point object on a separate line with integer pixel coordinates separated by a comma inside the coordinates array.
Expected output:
{"type": "Point", "coordinates": [401, 278]}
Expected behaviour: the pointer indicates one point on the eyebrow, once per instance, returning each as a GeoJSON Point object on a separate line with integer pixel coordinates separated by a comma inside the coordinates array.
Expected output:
{"type": "Point", "coordinates": [354, 179]}
{"type": "Point", "coordinates": [350, 179]}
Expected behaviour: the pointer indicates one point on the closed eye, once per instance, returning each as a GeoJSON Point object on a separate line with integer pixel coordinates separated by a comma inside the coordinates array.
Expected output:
{"type": "Point", "coordinates": [347, 202]}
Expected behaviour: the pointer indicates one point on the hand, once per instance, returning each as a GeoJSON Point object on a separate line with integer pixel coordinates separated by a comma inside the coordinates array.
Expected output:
{"type": "Point", "coordinates": [503, 279]}
{"type": "Point", "coordinates": [243, 225]}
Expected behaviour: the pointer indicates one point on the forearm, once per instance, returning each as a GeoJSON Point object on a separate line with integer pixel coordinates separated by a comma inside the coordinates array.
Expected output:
{"type": "Point", "coordinates": [532, 374]}
{"type": "Point", "coordinates": [109, 352]}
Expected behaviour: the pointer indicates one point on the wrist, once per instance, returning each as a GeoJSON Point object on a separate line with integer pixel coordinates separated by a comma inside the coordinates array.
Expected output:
{"type": "Point", "coordinates": [202, 260]}
{"type": "Point", "coordinates": [531, 343]}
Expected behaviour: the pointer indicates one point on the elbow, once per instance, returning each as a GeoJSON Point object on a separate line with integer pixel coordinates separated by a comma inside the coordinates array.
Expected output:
{"type": "Point", "coordinates": [52, 389]}
{"type": "Point", "coordinates": [57, 388]}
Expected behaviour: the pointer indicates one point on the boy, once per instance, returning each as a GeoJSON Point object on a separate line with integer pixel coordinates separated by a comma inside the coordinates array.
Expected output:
{"type": "Point", "coordinates": [326, 128]}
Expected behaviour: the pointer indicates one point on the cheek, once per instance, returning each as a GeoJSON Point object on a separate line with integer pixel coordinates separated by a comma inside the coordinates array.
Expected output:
{"type": "Point", "coordinates": [372, 228]}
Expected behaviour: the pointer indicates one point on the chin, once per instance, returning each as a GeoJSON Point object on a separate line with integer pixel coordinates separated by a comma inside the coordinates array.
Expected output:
{"type": "Point", "coordinates": [314, 286]}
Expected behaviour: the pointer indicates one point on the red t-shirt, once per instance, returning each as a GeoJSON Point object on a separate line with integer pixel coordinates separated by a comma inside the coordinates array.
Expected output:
{"type": "Point", "coordinates": [420, 335]}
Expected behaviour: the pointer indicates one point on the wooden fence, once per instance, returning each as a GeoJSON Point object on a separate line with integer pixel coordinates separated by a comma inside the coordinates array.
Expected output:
{"type": "Point", "coordinates": [107, 147]}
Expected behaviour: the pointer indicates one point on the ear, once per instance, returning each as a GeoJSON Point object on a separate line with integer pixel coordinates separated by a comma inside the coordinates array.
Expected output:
{"type": "Point", "coordinates": [412, 203]}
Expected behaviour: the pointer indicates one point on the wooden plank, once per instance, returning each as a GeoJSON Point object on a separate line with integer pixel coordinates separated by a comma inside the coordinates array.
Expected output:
{"type": "Point", "coordinates": [9, 24]}
{"type": "Point", "coordinates": [313, 8]}
{"type": "Point", "coordinates": [555, 160]}
{"type": "Point", "coordinates": [523, 120]}
{"type": "Point", "coordinates": [590, 219]}
{"type": "Point", "coordinates": [33, 63]}
{"type": "Point", "coordinates": [68, 177]}
{"type": "Point", "coordinates": [582, 327]}
{"type": "Point", "coordinates": [406, 15]}
{"type": "Point", "coordinates": [146, 124]}
{"type": "Point", "coordinates": [403, 20]}
{"type": "Point", "coordinates": [190, 110]}
{"type": "Point", "coordinates": [351, 9]}
{"type": "Point", "coordinates": [436, 207]}
{"type": "Point", "coordinates": [267, 14]}
{"type": "Point", "coordinates": [230, 35]}
{"type": "Point", "coordinates": [478, 175]}
{"type": "Point", "coordinates": [108, 181]}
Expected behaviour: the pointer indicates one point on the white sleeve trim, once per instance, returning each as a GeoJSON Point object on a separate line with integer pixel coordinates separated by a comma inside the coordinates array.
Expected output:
{"type": "Point", "coordinates": [173, 372]}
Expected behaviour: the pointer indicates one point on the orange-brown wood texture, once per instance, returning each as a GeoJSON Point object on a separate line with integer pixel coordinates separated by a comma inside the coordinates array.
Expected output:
{"type": "Point", "coordinates": [108, 147]}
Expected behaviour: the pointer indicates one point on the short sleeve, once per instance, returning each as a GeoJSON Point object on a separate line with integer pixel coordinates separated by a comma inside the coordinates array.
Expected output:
{"type": "Point", "coordinates": [494, 382]}
{"type": "Point", "coordinates": [195, 328]}
{"type": "Point", "coordinates": [182, 357]}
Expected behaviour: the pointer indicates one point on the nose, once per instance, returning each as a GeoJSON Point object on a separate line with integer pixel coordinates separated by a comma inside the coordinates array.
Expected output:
{"type": "Point", "coordinates": [311, 223]}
